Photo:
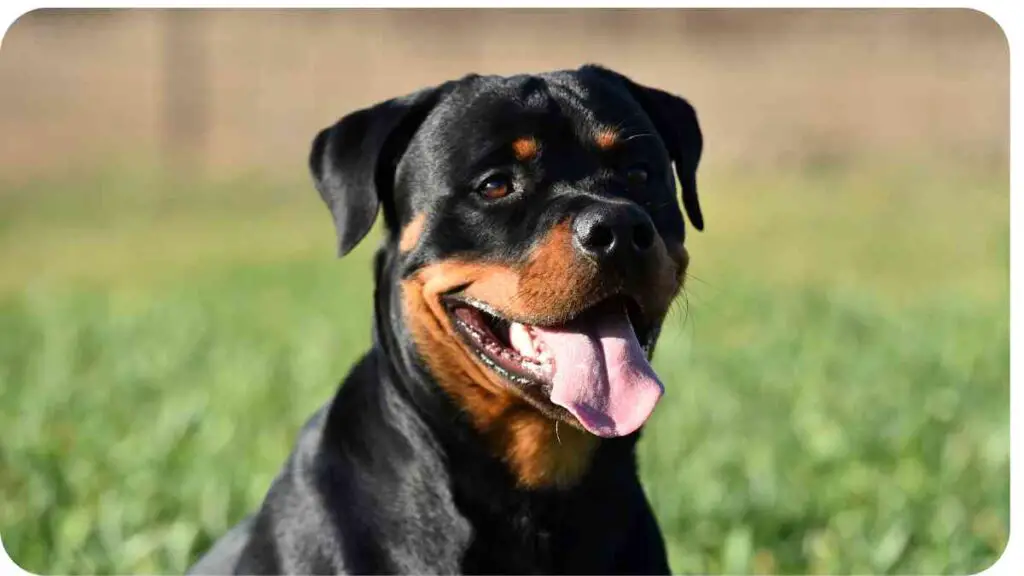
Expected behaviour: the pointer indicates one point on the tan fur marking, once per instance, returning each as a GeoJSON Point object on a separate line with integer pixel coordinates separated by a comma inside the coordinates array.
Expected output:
{"type": "Point", "coordinates": [525, 148]}
{"type": "Point", "coordinates": [541, 454]}
{"type": "Point", "coordinates": [550, 284]}
{"type": "Point", "coordinates": [412, 232]}
{"type": "Point", "coordinates": [606, 139]}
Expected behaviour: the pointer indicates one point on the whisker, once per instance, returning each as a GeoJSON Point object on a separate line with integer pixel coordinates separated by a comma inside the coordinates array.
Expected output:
{"type": "Point", "coordinates": [690, 276]}
{"type": "Point", "coordinates": [640, 135]}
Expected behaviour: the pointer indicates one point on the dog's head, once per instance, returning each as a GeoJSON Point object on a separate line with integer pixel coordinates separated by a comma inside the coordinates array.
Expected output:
{"type": "Point", "coordinates": [535, 232]}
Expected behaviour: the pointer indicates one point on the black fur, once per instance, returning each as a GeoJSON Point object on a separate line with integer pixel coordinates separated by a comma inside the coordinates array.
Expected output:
{"type": "Point", "coordinates": [390, 477]}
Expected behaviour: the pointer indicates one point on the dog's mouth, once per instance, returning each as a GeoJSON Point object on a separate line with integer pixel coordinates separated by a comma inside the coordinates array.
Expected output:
{"type": "Point", "coordinates": [591, 370]}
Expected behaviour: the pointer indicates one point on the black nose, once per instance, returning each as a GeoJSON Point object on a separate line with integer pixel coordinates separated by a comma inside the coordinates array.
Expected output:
{"type": "Point", "coordinates": [606, 231]}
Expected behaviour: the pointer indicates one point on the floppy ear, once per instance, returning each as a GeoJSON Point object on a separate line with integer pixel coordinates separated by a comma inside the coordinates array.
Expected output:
{"type": "Point", "coordinates": [353, 162]}
{"type": "Point", "coordinates": [676, 123]}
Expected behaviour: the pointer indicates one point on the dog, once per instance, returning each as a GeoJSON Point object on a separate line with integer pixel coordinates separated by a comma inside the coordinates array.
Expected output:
{"type": "Point", "coordinates": [533, 243]}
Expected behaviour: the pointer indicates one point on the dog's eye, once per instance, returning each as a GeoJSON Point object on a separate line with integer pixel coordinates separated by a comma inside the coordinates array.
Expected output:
{"type": "Point", "coordinates": [636, 175]}
{"type": "Point", "coordinates": [495, 186]}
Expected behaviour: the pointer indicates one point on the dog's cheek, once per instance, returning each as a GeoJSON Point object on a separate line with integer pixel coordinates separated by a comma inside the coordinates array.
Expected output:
{"type": "Point", "coordinates": [437, 345]}
{"type": "Point", "coordinates": [554, 281]}
{"type": "Point", "coordinates": [670, 263]}
{"type": "Point", "coordinates": [495, 285]}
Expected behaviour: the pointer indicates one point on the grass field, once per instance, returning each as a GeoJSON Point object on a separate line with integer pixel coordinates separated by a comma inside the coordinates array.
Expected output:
{"type": "Point", "coordinates": [838, 378]}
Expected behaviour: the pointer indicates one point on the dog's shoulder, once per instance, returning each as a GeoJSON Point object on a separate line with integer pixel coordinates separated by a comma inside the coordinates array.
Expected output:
{"type": "Point", "coordinates": [361, 492]}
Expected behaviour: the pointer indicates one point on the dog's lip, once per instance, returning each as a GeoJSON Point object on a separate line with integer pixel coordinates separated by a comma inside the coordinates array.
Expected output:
{"type": "Point", "coordinates": [483, 338]}
{"type": "Point", "coordinates": [529, 383]}
{"type": "Point", "coordinates": [646, 329]}
{"type": "Point", "coordinates": [637, 314]}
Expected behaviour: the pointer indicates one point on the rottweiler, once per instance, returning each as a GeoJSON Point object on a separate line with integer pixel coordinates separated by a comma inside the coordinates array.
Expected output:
{"type": "Point", "coordinates": [533, 242]}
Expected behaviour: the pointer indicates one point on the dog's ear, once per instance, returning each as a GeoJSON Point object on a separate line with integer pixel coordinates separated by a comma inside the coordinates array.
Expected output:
{"type": "Point", "coordinates": [676, 123]}
{"type": "Point", "coordinates": [353, 162]}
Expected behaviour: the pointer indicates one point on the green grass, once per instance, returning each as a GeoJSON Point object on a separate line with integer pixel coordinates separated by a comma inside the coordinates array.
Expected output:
{"type": "Point", "coordinates": [838, 378]}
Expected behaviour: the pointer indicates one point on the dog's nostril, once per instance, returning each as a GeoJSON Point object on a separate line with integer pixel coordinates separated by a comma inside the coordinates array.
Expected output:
{"type": "Point", "coordinates": [643, 236]}
{"type": "Point", "coordinates": [601, 237]}
{"type": "Point", "coordinates": [614, 231]}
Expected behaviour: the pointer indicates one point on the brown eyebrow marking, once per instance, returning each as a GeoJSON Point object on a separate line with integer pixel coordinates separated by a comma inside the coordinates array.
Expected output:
{"type": "Point", "coordinates": [526, 148]}
{"type": "Point", "coordinates": [606, 138]}
{"type": "Point", "coordinates": [412, 232]}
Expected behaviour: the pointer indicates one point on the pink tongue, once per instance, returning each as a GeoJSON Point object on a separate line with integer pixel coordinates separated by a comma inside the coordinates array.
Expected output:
{"type": "Point", "coordinates": [601, 374]}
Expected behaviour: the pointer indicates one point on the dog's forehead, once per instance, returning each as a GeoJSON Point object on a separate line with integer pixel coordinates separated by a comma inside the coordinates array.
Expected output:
{"type": "Point", "coordinates": [495, 106]}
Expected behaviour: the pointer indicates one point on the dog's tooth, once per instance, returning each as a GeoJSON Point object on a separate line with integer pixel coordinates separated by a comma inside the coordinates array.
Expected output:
{"type": "Point", "coordinates": [520, 338]}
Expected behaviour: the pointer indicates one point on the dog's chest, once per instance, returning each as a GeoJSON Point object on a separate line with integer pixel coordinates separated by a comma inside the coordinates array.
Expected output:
{"type": "Point", "coordinates": [535, 538]}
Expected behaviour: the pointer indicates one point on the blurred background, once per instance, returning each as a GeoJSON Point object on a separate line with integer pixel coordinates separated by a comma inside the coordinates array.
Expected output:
{"type": "Point", "coordinates": [171, 309]}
